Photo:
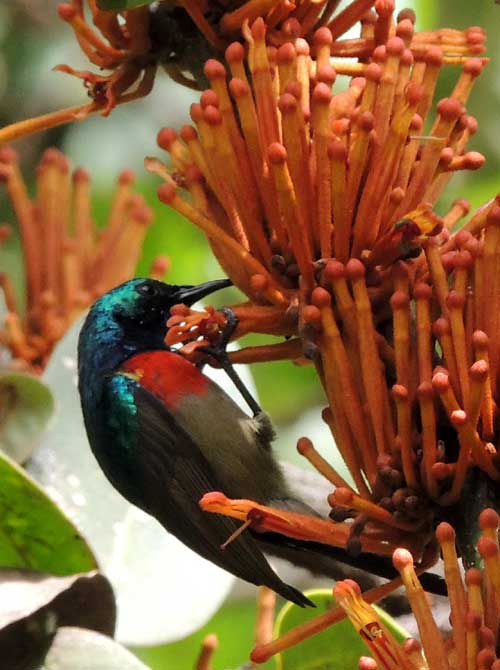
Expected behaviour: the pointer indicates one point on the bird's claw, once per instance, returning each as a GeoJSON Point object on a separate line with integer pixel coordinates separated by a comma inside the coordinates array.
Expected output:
{"type": "Point", "coordinates": [218, 350]}
{"type": "Point", "coordinates": [232, 322]}
{"type": "Point", "coordinates": [219, 353]}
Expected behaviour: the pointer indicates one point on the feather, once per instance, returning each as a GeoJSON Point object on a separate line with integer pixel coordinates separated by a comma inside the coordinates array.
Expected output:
{"type": "Point", "coordinates": [168, 478]}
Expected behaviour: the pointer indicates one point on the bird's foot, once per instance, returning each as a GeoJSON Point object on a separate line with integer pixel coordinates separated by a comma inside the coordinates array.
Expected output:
{"type": "Point", "coordinates": [218, 351]}
{"type": "Point", "coordinates": [265, 428]}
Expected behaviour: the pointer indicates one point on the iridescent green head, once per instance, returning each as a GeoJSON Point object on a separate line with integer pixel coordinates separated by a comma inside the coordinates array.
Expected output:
{"type": "Point", "coordinates": [132, 318]}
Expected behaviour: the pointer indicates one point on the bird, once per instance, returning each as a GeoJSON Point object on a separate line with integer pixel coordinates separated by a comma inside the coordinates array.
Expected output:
{"type": "Point", "coordinates": [165, 434]}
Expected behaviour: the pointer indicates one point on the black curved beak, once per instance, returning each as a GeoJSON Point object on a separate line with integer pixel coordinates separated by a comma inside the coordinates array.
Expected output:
{"type": "Point", "coordinates": [188, 295]}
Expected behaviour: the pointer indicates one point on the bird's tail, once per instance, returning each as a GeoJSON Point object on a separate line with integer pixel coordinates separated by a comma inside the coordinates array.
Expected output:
{"type": "Point", "coordinates": [331, 562]}
{"type": "Point", "coordinates": [290, 593]}
{"type": "Point", "coordinates": [328, 561]}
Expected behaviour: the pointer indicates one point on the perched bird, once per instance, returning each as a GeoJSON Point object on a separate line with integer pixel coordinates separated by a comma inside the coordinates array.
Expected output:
{"type": "Point", "coordinates": [165, 434]}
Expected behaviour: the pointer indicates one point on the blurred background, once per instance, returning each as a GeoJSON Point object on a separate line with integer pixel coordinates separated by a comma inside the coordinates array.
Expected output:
{"type": "Point", "coordinates": [32, 41]}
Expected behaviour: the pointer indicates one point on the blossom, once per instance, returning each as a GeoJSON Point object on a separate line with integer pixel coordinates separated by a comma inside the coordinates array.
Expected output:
{"type": "Point", "coordinates": [284, 175]}
{"type": "Point", "coordinates": [129, 45]}
{"type": "Point", "coordinates": [474, 606]}
{"type": "Point", "coordinates": [68, 262]}
{"type": "Point", "coordinates": [208, 648]}
{"type": "Point", "coordinates": [123, 48]}
{"type": "Point", "coordinates": [319, 205]}
{"type": "Point", "coordinates": [473, 600]}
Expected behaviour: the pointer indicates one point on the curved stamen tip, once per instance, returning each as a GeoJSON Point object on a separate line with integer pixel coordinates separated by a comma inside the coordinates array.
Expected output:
{"type": "Point", "coordinates": [402, 559]}
{"type": "Point", "coordinates": [213, 498]}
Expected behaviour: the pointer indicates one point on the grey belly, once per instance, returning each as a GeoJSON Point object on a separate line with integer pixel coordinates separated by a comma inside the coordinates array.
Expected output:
{"type": "Point", "coordinates": [228, 439]}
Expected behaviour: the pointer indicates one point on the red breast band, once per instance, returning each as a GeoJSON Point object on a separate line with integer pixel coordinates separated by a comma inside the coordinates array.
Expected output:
{"type": "Point", "coordinates": [169, 376]}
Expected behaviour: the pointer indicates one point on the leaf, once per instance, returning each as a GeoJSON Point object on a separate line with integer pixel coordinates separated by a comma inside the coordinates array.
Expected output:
{"type": "Point", "coordinates": [26, 405]}
{"type": "Point", "coordinates": [164, 591]}
{"type": "Point", "coordinates": [233, 625]}
{"type": "Point", "coordinates": [337, 647]}
{"type": "Point", "coordinates": [34, 533]}
{"type": "Point", "coordinates": [33, 604]}
{"type": "Point", "coordinates": [80, 649]}
{"type": "Point", "coordinates": [478, 493]}
{"type": "Point", "coordinates": [120, 5]}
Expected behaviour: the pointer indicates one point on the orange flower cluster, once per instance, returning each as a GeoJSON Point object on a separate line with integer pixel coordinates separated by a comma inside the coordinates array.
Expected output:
{"type": "Point", "coordinates": [123, 48]}
{"type": "Point", "coordinates": [131, 44]}
{"type": "Point", "coordinates": [299, 175]}
{"type": "Point", "coordinates": [204, 327]}
{"type": "Point", "coordinates": [474, 603]}
{"type": "Point", "coordinates": [68, 262]}
{"type": "Point", "coordinates": [318, 206]}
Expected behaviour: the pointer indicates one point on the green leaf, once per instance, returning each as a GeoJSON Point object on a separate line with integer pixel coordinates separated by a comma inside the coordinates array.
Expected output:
{"type": "Point", "coordinates": [233, 625]}
{"type": "Point", "coordinates": [34, 533]}
{"type": "Point", "coordinates": [337, 647]}
{"type": "Point", "coordinates": [120, 5]}
{"type": "Point", "coordinates": [26, 405]}
{"type": "Point", "coordinates": [80, 649]}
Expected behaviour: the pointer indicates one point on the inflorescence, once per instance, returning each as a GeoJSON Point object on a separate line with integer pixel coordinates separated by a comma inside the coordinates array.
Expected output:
{"type": "Point", "coordinates": [319, 206]}
{"type": "Point", "coordinates": [68, 261]}
{"type": "Point", "coordinates": [128, 46]}
{"type": "Point", "coordinates": [318, 202]}
{"type": "Point", "coordinates": [474, 599]}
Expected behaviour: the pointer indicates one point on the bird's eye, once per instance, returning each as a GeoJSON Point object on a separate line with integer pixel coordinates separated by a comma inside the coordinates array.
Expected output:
{"type": "Point", "coordinates": [146, 289]}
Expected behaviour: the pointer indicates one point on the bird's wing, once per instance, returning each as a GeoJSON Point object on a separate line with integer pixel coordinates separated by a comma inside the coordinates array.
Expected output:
{"type": "Point", "coordinates": [171, 475]}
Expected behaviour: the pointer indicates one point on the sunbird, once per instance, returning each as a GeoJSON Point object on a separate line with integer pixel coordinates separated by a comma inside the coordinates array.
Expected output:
{"type": "Point", "coordinates": [165, 434]}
